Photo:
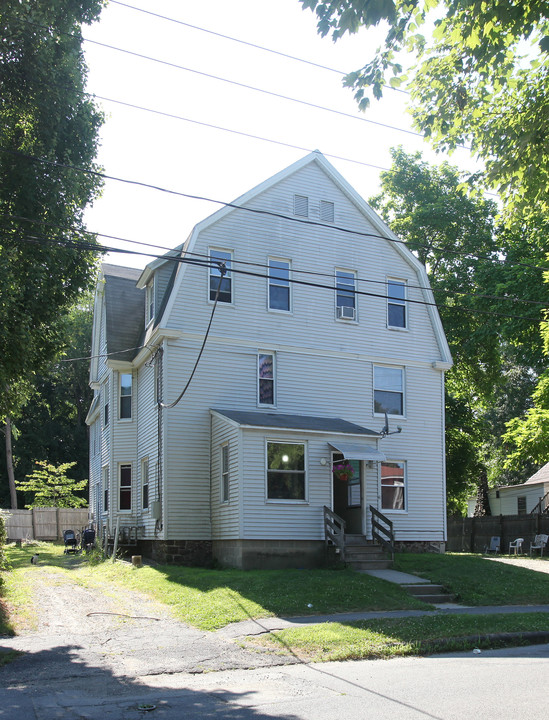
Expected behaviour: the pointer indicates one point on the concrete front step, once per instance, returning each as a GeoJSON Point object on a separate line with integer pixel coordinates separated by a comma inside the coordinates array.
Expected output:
{"type": "Point", "coordinates": [430, 593]}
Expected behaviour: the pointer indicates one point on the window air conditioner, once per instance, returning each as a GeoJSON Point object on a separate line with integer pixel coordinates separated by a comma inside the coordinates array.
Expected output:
{"type": "Point", "coordinates": [345, 312]}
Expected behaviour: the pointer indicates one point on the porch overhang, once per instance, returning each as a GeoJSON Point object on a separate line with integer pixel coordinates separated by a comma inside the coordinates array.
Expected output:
{"type": "Point", "coordinates": [353, 451]}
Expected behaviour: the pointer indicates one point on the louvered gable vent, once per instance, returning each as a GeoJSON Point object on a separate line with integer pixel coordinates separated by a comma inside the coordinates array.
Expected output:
{"type": "Point", "coordinates": [301, 205]}
{"type": "Point", "coordinates": [326, 211]}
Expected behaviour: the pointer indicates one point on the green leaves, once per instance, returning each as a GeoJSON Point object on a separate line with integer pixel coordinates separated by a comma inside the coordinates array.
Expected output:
{"type": "Point", "coordinates": [52, 487]}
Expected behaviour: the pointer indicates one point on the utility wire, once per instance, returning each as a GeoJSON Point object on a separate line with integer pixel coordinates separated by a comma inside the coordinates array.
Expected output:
{"type": "Point", "coordinates": [316, 273]}
{"type": "Point", "coordinates": [271, 213]}
{"type": "Point", "coordinates": [213, 263]}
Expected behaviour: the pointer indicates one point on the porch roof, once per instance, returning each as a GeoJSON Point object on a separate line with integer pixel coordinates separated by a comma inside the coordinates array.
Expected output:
{"type": "Point", "coordinates": [353, 451]}
{"type": "Point", "coordinates": [296, 422]}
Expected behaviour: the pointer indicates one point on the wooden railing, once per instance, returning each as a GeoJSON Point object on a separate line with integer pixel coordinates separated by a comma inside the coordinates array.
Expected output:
{"type": "Point", "coordinates": [334, 531]}
{"type": "Point", "coordinates": [542, 506]}
{"type": "Point", "coordinates": [382, 531]}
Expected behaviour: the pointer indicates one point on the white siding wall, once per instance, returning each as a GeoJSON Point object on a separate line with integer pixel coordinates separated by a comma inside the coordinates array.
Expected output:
{"type": "Point", "coordinates": [226, 517]}
{"type": "Point", "coordinates": [147, 444]}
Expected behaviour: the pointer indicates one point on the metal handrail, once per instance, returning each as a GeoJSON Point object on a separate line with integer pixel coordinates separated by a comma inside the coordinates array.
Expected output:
{"type": "Point", "coordinates": [382, 531]}
{"type": "Point", "coordinates": [334, 531]}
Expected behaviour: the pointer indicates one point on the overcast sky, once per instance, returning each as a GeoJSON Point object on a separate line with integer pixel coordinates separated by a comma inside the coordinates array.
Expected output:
{"type": "Point", "coordinates": [191, 158]}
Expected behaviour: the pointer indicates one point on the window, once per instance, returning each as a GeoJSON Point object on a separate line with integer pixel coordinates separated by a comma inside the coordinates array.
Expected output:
{"type": "Point", "coordinates": [216, 281]}
{"type": "Point", "coordinates": [345, 295]}
{"type": "Point", "coordinates": [125, 487]}
{"type": "Point", "coordinates": [105, 489]}
{"type": "Point", "coordinates": [326, 211]}
{"type": "Point", "coordinates": [285, 471]}
{"type": "Point", "coordinates": [301, 205]}
{"type": "Point", "coordinates": [265, 379]}
{"type": "Point", "coordinates": [393, 486]}
{"type": "Point", "coordinates": [388, 390]}
{"type": "Point", "coordinates": [279, 285]}
{"type": "Point", "coordinates": [521, 505]}
{"type": "Point", "coordinates": [125, 396]}
{"type": "Point", "coordinates": [145, 483]}
{"type": "Point", "coordinates": [106, 413]}
{"type": "Point", "coordinates": [224, 473]}
{"type": "Point", "coordinates": [396, 304]}
{"type": "Point", "coordinates": [149, 302]}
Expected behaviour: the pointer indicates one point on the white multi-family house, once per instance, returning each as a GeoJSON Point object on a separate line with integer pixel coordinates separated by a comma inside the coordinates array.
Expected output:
{"type": "Point", "coordinates": [325, 331]}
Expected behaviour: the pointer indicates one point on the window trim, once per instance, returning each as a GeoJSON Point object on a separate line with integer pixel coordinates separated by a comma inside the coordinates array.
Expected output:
{"type": "Point", "coordinates": [128, 488]}
{"type": "Point", "coordinates": [145, 483]}
{"type": "Point", "coordinates": [263, 353]}
{"type": "Point", "coordinates": [228, 274]}
{"type": "Point", "coordinates": [397, 302]}
{"type": "Point", "coordinates": [402, 369]}
{"type": "Point", "coordinates": [275, 282]}
{"type": "Point", "coordinates": [404, 510]}
{"type": "Point", "coordinates": [121, 396]}
{"type": "Point", "coordinates": [225, 474]}
{"type": "Point", "coordinates": [287, 501]}
{"type": "Point", "coordinates": [338, 314]}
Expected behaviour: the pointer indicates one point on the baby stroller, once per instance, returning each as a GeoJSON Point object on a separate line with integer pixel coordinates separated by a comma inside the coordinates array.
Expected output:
{"type": "Point", "coordinates": [88, 539]}
{"type": "Point", "coordinates": [71, 542]}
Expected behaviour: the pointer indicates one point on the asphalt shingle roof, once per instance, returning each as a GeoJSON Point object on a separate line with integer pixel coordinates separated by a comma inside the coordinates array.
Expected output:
{"type": "Point", "coordinates": [125, 311]}
{"type": "Point", "coordinates": [295, 422]}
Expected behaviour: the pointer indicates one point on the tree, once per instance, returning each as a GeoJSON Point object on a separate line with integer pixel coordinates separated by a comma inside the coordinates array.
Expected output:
{"type": "Point", "coordinates": [52, 487]}
{"type": "Point", "coordinates": [480, 79]}
{"type": "Point", "coordinates": [47, 127]}
{"type": "Point", "coordinates": [473, 266]}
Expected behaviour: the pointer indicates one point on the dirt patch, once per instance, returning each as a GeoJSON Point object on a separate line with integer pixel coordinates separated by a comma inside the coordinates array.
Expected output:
{"type": "Point", "coordinates": [538, 564]}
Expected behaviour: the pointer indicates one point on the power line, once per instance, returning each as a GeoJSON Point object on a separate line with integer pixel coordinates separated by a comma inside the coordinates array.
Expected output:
{"type": "Point", "coordinates": [266, 266]}
{"type": "Point", "coordinates": [258, 211]}
{"type": "Point", "coordinates": [212, 263]}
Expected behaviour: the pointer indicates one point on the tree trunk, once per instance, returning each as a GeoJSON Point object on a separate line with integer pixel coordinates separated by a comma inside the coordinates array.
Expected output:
{"type": "Point", "coordinates": [9, 463]}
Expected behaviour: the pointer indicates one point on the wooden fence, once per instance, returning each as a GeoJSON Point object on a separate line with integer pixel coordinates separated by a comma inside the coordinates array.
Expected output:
{"type": "Point", "coordinates": [43, 523]}
{"type": "Point", "coordinates": [473, 534]}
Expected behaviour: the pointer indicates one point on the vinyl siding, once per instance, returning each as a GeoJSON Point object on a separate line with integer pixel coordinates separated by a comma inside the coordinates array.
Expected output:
{"type": "Point", "coordinates": [226, 516]}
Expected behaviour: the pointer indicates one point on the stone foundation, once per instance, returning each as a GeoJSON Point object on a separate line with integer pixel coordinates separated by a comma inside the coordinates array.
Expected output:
{"type": "Point", "coordinates": [420, 546]}
{"type": "Point", "coordinates": [193, 553]}
{"type": "Point", "coordinates": [270, 554]}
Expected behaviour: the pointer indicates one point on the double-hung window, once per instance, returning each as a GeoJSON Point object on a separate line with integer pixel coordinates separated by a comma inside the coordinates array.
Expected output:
{"type": "Point", "coordinates": [224, 473]}
{"type": "Point", "coordinates": [396, 304]}
{"type": "Point", "coordinates": [345, 295]}
{"type": "Point", "coordinates": [279, 285]}
{"type": "Point", "coordinates": [105, 479]}
{"type": "Point", "coordinates": [285, 471]}
{"type": "Point", "coordinates": [388, 390]}
{"type": "Point", "coordinates": [218, 282]}
{"type": "Point", "coordinates": [149, 302]}
{"type": "Point", "coordinates": [393, 485]}
{"type": "Point", "coordinates": [125, 495]}
{"type": "Point", "coordinates": [145, 483]}
{"type": "Point", "coordinates": [125, 407]}
{"type": "Point", "coordinates": [266, 379]}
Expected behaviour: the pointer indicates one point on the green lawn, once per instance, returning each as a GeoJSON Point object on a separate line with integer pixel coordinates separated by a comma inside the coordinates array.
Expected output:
{"type": "Point", "coordinates": [402, 636]}
{"type": "Point", "coordinates": [477, 580]}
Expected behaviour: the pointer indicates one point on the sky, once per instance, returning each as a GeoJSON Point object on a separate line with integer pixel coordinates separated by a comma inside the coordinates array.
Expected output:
{"type": "Point", "coordinates": [188, 157]}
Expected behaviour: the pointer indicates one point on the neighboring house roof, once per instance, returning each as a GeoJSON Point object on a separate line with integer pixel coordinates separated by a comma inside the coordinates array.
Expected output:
{"type": "Point", "coordinates": [541, 476]}
{"type": "Point", "coordinates": [125, 311]}
{"type": "Point", "coordinates": [283, 421]}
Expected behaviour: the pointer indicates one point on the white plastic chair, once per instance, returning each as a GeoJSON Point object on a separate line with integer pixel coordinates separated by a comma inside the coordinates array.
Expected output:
{"type": "Point", "coordinates": [516, 546]}
{"type": "Point", "coordinates": [540, 541]}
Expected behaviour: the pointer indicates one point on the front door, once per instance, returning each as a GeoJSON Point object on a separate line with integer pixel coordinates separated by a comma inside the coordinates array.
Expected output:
{"type": "Point", "coordinates": [347, 494]}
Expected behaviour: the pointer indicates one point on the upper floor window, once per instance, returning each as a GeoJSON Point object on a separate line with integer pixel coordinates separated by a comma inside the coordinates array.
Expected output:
{"type": "Point", "coordinates": [224, 284]}
{"type": "Point", "coordinates": [326, 211]}
{"type": "Point", "coordinates": [396, 304]}
{"type": "Point", "coordinates": [105, 393]}
{"type": "Point", "coordinates": [279, 284]}
{"type": "Point", "coordinates": [125, 396]}
{"type": "Point", "coordinates": [285, 471]}
{"type": "Point", "coordinates": [149, 302]}
{"type": "Point", "coordinates": [125, 496]}
{"type": "Point", "coordinates": [393, 486]}
{"type": "Point", "coordinates": [388, 390]}
{"type": "Point", "coordinates": [224, 473]}
{"type": "Point", "coordinates": [301, 205]}
{"type": "Point", "coordinates": [266, 379]}
{"type": "Point", "coordinates": [345, 294]}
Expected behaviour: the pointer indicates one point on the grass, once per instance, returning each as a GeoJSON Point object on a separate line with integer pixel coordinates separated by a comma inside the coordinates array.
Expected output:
{"type": "Point", "coordinates": [398, 637]}
{"type": "Point", "coordinates": [477, 580]}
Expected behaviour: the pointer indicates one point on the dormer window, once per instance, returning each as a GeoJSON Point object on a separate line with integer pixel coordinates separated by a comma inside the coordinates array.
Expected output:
{"type": "Point", "coordinates": [149, 302]}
